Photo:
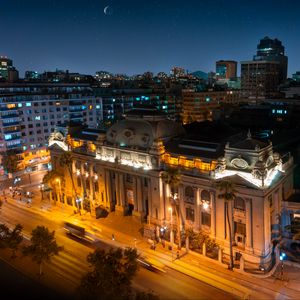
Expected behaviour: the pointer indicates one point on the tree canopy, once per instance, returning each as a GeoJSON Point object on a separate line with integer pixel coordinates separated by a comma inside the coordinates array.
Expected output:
{"type": "Point", "coordinates": [43, 246]}
{"type": "Point", "coordinates": [111, 275]}
{"type": "Point", "coordinates": [10, 161]}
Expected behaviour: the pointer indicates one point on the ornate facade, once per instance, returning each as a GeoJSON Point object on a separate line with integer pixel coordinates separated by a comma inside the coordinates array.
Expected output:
{"type": "Point", "coordinates": [121, 170]}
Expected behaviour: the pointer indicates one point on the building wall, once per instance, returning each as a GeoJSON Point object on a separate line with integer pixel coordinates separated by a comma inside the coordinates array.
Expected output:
{"type": "Point", "coordinates": [124, 187]}
{"type": "Point", "coordinates": [260, 79]}
{"type": "Point", "coordinates": [198, 107]}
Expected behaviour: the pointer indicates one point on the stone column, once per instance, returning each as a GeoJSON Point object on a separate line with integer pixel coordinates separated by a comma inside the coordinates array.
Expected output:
{"type": "Point", "coordinates": [213, 213]}
{"type": "Point", "coordinates": [91, 178]}
{"type": "Point", "coordinates": [117, 184]}
{"type": "Point", "coordinates": [121, 187]}
{"type": "Point", "coordinates": [197, 210]}
{"type": "Point", "coordinates": [249, 224]}
{"type": "Point", "coordinates": [135, 194]}
{"type": "Point", "coordinates": [107, 188]}
{"type": "Point", "coordinates": [139, 194]}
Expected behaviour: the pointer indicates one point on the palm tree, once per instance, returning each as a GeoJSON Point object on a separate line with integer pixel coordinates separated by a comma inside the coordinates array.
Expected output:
{"type": "Point", "coordinates": [171, 177]}
{"type": "Point", "coordinates": [227, 193]}
{"type": "Point", "coordinates": [66, 160]}
{"type": "Point", "coordinates": [51, 178]}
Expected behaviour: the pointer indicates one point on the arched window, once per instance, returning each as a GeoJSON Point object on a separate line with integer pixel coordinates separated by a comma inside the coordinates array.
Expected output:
{"type": "Point", "coordinates": [205, 196]}
{"type": "Point", "coordinates": [239, 203]}
{"type": "Point", "coordinates": [189, 194]}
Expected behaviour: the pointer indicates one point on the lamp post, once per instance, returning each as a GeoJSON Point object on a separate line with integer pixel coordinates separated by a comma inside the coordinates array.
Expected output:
{"type": "Point", "coordinates": [171, 232]}
{"type": "Point", "coordinates": [281, 257]}
{"type": "Point", "coordinates": [41, 187]}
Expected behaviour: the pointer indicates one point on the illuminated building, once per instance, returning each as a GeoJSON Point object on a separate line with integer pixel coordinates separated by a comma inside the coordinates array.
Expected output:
{"type": "Point", "coordinates": [121, 170]}
{"type": "Point", "coordinates": [272, 50]}
{"type": "Point", "coordinates": [260, 78]}
{"type": "Point", "coordinates": [226, 69]}
{"type": "Point", "coordinates": [29, 112]}
{"type": "Point", "coordinates": [199, 106]}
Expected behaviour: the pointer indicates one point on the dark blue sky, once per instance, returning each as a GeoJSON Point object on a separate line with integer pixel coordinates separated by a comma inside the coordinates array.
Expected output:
{"type": "Point", "coordinates": [143, 35]}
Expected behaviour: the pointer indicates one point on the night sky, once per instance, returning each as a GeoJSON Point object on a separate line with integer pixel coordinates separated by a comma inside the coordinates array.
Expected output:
{"type": "Point", "coordinates": [143, 35]}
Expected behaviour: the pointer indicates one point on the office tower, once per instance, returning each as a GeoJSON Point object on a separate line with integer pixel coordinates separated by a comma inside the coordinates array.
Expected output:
{"type": "Point", "coordinates": [7, 71]}
{"type": "Point", "coordinates": [226, 69]}
{"type": "Point", "coordinates": [272, 50]}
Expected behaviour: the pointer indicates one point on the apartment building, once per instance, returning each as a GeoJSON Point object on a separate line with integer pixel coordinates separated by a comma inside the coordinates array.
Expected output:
{"type": "Point", "coordinates": [29, 112]}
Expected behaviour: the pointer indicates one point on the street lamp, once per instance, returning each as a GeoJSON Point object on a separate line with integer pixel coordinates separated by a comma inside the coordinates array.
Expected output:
{"type": "Point", "coordinates": [41, 187]}
{"type": "Point", "coordinates": [281, 257]}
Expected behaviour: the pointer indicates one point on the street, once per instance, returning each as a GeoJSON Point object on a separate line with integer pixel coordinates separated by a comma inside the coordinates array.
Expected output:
{"type": "Point", "coordinates": [67, 268]}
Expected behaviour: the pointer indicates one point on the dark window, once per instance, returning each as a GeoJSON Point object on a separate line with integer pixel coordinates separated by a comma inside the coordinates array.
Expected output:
{"type": "Point", "coordinates": [239, 203]}
{"type": "Point", "coordinates": [205, 196]}
{"type": "Point", "coordinates": [30, 126]}
{"type": "Point", "coordinates": [189, 194]}
{"type": "Point", "coordinates": [78, 181]}
{"type": "Point", "coordinates": [240, 228]}
{"type": "Point", "coordinates": [190, 214]}
{"type": "Point", "coordinates": [206, 218]}
{"type": "Point", "coordinates": [129, 178]}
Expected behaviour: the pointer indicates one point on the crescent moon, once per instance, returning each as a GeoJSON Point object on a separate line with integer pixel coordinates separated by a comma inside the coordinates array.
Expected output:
{"type": "Point", "coordinates": [105, 9]}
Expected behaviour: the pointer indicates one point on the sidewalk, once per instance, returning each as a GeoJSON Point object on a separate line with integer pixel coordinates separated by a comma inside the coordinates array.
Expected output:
{"type": "Point", "coordinates": [196, 265]}
{"type": "Point", "coordinates": [127, 233]}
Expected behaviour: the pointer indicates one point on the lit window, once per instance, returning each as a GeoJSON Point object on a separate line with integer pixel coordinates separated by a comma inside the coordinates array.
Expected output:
{"type": "Point", "coordinates": [97, 106]}
{"type": "Point", "coordinates": [91, 107]}
{"type": "Point", "coordinates": [28, 103]}
{"type": "Point", "coordinates": [20, 105]}
{"type": "Point", "coordinates": [38, 118]}
{"type": "Point", "coordinates": [11, 105]}
{"type": "Point", "coordinates": [7, 137]}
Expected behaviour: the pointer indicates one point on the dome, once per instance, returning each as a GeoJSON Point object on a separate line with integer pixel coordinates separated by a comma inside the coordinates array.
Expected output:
{"type": "Point", "coordinates": [142, 133]}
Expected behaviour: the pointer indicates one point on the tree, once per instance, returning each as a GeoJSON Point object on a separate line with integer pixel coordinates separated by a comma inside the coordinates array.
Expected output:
{"type": "Point", "coordinates": [227, 193]}
{"type": "Point", "coordinates": [111, 275]}
{"type": "Point", "coordinates": [66, 160]}
{"type": "Point", "coordinates": [14, 239]}
{"type": "Point", "coordinates": [10, 161]}
{"type": "Point", "coordinates": [172, 178]}
{"type": "Point", "coordinates": [4, 232]}
{"type": "Point", "coordinates": [43, 246]}
{"type": "Point", "coordinates": [51, 178]}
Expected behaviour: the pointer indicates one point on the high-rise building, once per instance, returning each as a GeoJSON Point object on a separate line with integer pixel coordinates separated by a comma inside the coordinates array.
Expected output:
{"type": "Point", "coordinates": [260, 79]}
{"type": "Point", "coordinates": [199, 106]}
{"type": "Point", "coordinates": [226, 69]}
{"type": "Point", "coordinates": [7, 71]}
{"type": "Point", "coordinates": [272, 50]}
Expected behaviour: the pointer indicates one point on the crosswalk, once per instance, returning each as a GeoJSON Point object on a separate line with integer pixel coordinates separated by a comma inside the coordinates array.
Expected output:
{"type": "Point", "coordinates": [68, 267]}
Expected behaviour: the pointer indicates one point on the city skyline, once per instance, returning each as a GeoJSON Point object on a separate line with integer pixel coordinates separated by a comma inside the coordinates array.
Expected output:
{"type": "Point", "coordinates": [132, 39]}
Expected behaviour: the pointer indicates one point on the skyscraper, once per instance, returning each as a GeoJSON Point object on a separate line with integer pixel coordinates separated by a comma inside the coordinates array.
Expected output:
{"type": "Point", "coordinates": [272, 50]}
{"type": "Point", "coordinates": [261, 77]}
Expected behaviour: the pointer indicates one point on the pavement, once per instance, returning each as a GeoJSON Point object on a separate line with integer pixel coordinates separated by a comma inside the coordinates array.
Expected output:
{"type": "Point", "coordinates": [127, 233]}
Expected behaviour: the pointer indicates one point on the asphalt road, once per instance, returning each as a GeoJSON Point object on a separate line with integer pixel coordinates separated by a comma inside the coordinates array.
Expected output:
{"type": "Point", "coordinates": [18, 286]}
{"type": "Point", "coordinates": [70, 265]}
